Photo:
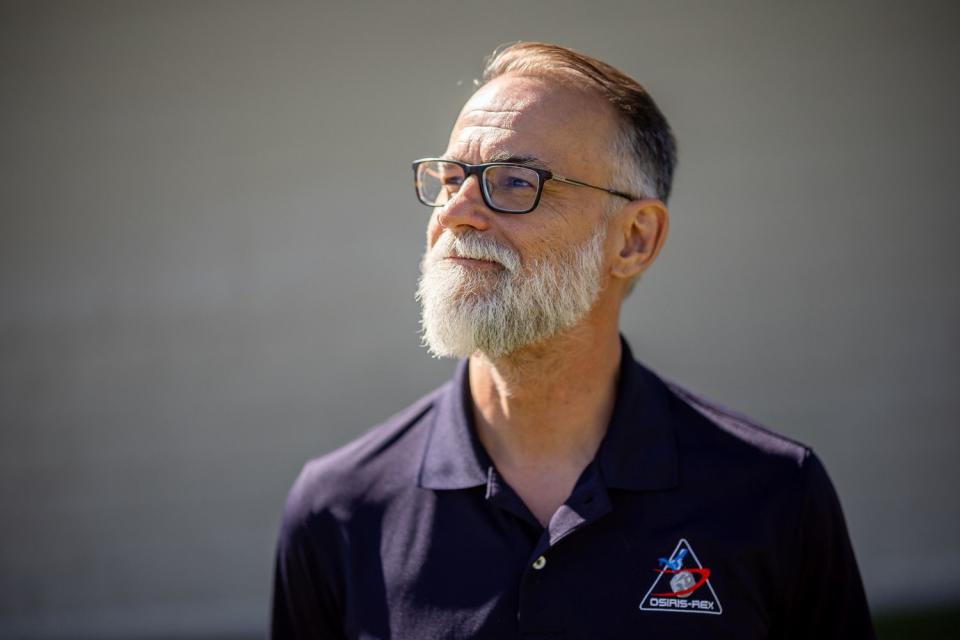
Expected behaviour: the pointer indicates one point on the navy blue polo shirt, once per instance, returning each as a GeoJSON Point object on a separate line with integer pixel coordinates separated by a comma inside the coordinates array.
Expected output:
{"type": "Point", "coordinates": [691, 522]}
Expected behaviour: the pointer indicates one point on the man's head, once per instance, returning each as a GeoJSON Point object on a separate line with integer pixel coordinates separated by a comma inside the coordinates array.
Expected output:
{"type": "Point", "coordinates": [497, 282]}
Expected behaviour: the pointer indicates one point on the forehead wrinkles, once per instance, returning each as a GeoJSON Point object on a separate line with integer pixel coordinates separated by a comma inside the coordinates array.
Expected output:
{"type": "Point", "coordinates": [478, 142]}
{"type": "Point", "coordinates": [482, 115]}
{"type": "Point", "coordinates": [535, 117]}
{"type": "Point", "coordinates": [523, 114]}
{"type": "Point", "coordinates": [482, 134]}
{"type": "Point", "coordinates": [483, 126]}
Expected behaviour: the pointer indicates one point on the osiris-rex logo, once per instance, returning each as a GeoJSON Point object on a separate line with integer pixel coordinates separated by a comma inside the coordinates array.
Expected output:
{"type": "Point", "coordinates": [675, 583]}
{"type": "Point", "coordinates": [705, 606]}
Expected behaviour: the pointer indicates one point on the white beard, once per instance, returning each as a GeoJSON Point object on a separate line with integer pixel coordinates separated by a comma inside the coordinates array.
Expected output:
{"type": "Point", "coordinates": [498, 311]}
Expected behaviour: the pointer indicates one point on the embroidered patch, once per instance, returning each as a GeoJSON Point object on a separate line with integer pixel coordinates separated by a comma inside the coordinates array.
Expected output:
{"type": "Point", "coordinates": [682, 585]}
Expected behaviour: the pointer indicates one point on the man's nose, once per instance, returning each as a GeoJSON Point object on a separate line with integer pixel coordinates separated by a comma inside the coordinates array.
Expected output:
{"type": "Point", "coordinates": [466, 208]}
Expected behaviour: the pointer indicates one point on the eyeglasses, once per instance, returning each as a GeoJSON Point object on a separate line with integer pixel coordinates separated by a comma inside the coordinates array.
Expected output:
{"type": "Point", "coordinates": [507, 187]}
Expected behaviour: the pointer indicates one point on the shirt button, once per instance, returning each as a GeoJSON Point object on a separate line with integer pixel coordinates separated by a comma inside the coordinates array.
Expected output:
{"type": "Point", "coordinates": [539, 563]}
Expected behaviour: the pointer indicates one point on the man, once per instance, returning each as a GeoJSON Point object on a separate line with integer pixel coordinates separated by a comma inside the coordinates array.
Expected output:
{"type": "Point", "coordinates": [555, 487]}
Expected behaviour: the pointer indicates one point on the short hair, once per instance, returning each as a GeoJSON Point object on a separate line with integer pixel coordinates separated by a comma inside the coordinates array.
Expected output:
{"type": "Point", "coordinates": [644, 151]}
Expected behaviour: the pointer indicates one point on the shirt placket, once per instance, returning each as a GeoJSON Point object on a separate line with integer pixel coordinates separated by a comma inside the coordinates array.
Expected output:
{"type": "Point", "coordinates": [544, 589]}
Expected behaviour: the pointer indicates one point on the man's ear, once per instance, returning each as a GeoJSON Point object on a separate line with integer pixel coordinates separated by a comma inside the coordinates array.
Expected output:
{"type": "Point", "coordinates": [642, 229]}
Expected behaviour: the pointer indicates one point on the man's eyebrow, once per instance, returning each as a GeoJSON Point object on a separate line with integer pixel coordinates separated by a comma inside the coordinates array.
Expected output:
{"type": "Point", "coordinates": [506, 156]}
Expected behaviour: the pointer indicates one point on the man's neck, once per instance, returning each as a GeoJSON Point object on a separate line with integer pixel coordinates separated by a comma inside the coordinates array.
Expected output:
{"type": "Point", "coordinates": [542, 412]}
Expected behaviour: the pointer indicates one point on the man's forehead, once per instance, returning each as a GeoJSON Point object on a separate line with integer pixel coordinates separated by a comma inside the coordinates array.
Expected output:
{"type": "Point", "coordinates": [530, 112]}
{"type": "Point", "coordinates": [510, 101]}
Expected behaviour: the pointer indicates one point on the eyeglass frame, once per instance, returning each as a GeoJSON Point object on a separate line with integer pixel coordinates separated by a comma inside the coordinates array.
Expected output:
{"type": "Point", "coordinates": [479, 169]}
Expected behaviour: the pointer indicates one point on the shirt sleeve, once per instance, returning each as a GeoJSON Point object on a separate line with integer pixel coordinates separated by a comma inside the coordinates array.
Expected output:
{"type": "Point", "coordinates": [308, 574]}
{"type": "Point", "coordinates": [829, 600]}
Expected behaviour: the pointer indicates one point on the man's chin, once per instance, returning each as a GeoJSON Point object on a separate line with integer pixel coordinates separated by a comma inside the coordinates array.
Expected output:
{"type": "Point", "coordinates": [448, 344]}
{"type": "Point", "coordinates": [459, 323]}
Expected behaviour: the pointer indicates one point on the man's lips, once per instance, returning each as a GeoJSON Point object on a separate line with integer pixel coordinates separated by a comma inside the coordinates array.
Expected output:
{"type": "Point", "coordinates": [474, 262]}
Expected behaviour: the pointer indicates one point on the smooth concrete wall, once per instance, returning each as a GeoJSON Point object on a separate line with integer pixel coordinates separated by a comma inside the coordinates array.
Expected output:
{"type": "Point", "coordinates": [209, 240]}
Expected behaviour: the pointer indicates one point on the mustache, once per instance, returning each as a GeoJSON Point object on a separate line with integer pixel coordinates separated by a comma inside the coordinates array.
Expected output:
{"type": "Point", "coordinates": [473, 245]}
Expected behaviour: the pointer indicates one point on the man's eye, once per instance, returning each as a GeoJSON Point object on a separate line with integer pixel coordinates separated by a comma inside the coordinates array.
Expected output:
{"type": "Point", "coordinates": [518, 183]}
{"type": "Point", "coordinates": [453, 180]}
{"type": "Point", "coordinates": [514, 181]}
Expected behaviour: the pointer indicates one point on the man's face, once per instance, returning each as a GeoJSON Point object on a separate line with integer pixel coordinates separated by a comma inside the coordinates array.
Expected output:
{"type": "Point", "coordinates": [496, 282]}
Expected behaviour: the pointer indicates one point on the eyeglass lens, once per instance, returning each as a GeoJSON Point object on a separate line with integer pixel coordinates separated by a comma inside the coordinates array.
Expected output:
{"type": "Point", "coordinates": [506, 187]}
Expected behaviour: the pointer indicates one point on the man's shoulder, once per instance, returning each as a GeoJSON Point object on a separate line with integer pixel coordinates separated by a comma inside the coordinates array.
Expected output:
{"type": "Point", "coordinates": [368, 468]}
{"type": "Point", "coordinates": [734, 443]}
{"type": "Point", "coordinates": [725, 451]}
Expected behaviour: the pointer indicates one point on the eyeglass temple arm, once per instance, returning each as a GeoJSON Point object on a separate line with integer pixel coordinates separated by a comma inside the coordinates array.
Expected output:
{"type": "Point", "coordinates": [584, 184]}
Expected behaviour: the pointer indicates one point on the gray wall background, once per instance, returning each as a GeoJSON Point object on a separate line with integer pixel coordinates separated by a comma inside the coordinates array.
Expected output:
{"type": "Point", "coordinates": [208, 246]}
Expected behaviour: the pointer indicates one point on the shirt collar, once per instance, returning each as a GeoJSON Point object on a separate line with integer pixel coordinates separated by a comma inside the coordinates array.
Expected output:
{"type": "Point", "coordinates": [638, 452]}
{"type": "Point", "coordinates": [454, 457]}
